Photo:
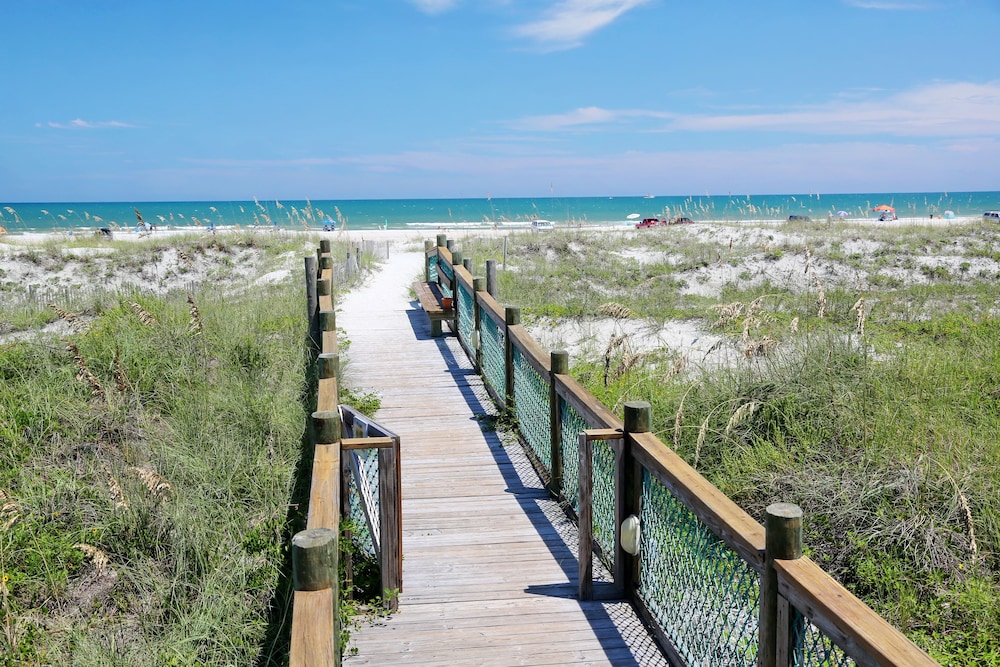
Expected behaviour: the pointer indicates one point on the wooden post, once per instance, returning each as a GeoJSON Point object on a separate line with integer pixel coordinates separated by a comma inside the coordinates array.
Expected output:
{"type": "Point", "coordinates": [324, 246]}
{"type": "Point", "coordinates": [491, 277]}
{"type": "Point", "coordinates": [628, 491]}
{"type": "Point", "coordinates": [325, 262]}
{"type": "Point", "coordinates": [558, 365]}
{"type": "Point", "coordinates": [505, 252]}
{"type": "Point", "coordinates": [329, 365]}
{"type": "Point", "coordinates": [390, 525]}
{"type": "Point", "coordinates": [442, 240]}
{"type": "Point", "coordinates": [326, 427]}
{"type": "Point", "coordinates": [450, 245]}
{"type": "Point", "coordinates": [456, 257]}
{"type": "Point", "coordinates": [314, 559]}
{"type": "Point", "coordinates": [324, 287]}
{"type": "Point", "coordinates": [312, 303]}
{"type": "Point", "coordinates": [478, 285]}
{"type": "Point", "coordinates": [585, 550]}
{"type": "Point", "coordinates": [467, 263]}
{"type": "Point", "coordinates": [782, 540]}
{"type": "Point", "coordinates": [327, 320]}
{"type": "Point", "coordinates": [512, 316]}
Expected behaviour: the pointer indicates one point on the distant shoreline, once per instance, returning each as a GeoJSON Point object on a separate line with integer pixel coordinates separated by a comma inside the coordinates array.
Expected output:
{"type": "Point", "coordinates": [430, 230]}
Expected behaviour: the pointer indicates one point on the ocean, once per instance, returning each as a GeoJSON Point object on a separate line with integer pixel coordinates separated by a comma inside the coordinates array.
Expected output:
{"type": "Point", "coordinates": [483, 213]}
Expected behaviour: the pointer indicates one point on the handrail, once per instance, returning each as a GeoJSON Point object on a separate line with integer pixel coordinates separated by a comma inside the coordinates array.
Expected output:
{"type": "Point", "coordinates": [315, 554]}
{"type": "Point", "coordinates": [642, 464]}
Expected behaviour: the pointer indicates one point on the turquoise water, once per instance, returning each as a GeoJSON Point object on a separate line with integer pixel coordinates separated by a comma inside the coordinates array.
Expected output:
{"type": "Point", "coordinates": [475, 213]}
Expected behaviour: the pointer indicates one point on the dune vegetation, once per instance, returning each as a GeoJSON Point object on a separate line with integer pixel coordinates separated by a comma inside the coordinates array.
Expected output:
{"type": "Point", "coordinates": [150, 450]}
{"type": "Point", "coordinates": [854, 372]}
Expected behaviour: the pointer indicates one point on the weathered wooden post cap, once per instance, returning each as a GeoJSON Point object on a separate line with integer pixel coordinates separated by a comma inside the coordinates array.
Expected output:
{"type": "Point", "coordinates": [478, 284]}
{"type": "Point", "coordinates": [326, 424]}
{"type": "Point", "coordinates": [559, 361]}
{"type": "Point", "coordinates": [512, 315]}
{"type": "Point", "coordinates": [324, 287]}
{"type": "Point", "coordinates": [428, 245]}
{"type": "Point", "coordinates": [329, 363]}
{"type": "Point", "coordinates": [327, 320]}
{"type": "Point", "coordinates": [314, 559]}
{"type": "Point", "coordinates": [324, 245]}
{"type": "Point", "coordinates": [326, 262]}
{"type": "Point", "coordinates": [638, 416]}
{"type": "Point", "coordinates": [442, 240]}
{"type": "Point", "coordinates": [783, 531]}
{"type": "Point", "coordinates": [456, 256]}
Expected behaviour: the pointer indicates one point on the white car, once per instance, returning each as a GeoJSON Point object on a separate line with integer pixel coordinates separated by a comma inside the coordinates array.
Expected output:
{"type": "Point", "coordinates": [992, 215]}
{"type": "Point", "coordinates": [541, 225]}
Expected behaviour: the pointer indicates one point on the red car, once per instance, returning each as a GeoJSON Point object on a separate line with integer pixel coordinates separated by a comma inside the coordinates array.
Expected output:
{"type": "Point", "coordinates": [649, 222]}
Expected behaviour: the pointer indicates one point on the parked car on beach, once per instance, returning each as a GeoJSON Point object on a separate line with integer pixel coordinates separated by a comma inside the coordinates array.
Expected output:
{"type": "Point", "coordinates": [649, 222]}
{"type": "Point", "coordinates": [801, 218]}
{"type": "Point", "coordinates": [682, 221]}
{"type": "Point", "coordinates": [992, 215]}
{"type": "Point", "coordinates": [539, 225]}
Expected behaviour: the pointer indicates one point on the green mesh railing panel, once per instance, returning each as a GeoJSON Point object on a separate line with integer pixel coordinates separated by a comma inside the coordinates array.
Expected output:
{"type": "Point", "coordinates": [364, 492]}
{"type": "Point", "coordinates": [813, 648]}
{"type": "Point", "coordinates": [466, 317]}
{"type": "Point", "coordinates": [493, 354]}
{"type": "Point", "coordinates": [603, 499]}
{"type": "Point", "coordinates": [432, 269]}
{"type": "Point", "coordinates": [449, 272]}
{"type": "Point", "coordinates": [531, 405]}
{"type": "Point", "coordinates": [700, 591]}
{"type": "Point", "coordinates": [572, 424]}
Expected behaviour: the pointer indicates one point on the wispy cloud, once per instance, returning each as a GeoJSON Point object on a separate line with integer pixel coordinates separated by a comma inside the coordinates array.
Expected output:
{"type": "Point", "coordinates": [889, 5]}
{"type": "Point", "coordinates": [958, 109]}
{"type": "Point", "coordinates": [80, 124]}
{"type": "Point", "coordinates": [434, 6]}
{"type": "Point", "coordinates": [567, 23]}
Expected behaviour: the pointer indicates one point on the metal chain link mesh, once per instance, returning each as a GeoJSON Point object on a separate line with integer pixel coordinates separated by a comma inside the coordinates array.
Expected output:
{"type": "Point", "coordinates": [700, 591]}
{"type": "Point", "coordinates": [445, 268]}
{"type": "Point", "coordinates": [493, 354]}
{"type": "Point", "coordinates": [603, 499]}
{"type": "Point", "coordinates": [432, 269]}
{"type": "Point", "coordinates": [364, 490]}
{"type": "Point", "coordinates": [466, 323]}
{"type": "Point", "coordinates": [572, 424]}
{"type": "Point", "coordinates": [531, 405]}
{"type": "Point", "coordinates": [815, 648]}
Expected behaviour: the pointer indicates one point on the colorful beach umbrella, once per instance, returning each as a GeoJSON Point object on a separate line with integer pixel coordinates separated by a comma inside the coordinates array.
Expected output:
{"type": "Point", "coordinates": [883, 207]}
{"type": "Point", "coordinates": [842, 214]}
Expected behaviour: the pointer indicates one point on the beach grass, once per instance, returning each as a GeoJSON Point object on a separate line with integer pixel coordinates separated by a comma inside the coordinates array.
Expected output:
{"type": "Point", "coordinates": [861, 384]}
{"type": "Point", "coordinates": [150, 444]}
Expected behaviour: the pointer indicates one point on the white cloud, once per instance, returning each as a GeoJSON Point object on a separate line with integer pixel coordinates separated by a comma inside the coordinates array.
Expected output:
{"type": "Point", "coordinates": [567, 23]}
{"type": "Point", "coordinates": [80, 124]}
{"type": "Point", "coordinates": [890, 5]}
{"type": "Point", "coordinates": [434, 6]}
{"type": "Point", "coordinates": [959, 109]}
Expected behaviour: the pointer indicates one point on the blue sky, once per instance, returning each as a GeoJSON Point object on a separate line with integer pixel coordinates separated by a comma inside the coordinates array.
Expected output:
{"type": "Point", "coordinates": [140, 100]}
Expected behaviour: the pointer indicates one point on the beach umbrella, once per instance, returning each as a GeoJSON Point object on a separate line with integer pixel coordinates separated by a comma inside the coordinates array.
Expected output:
{"type": "Point", "coordinates": [949, 214]}
{"type": "Point", "coordinates": [633, 216]}
{"type": "Point", "coordinates": [883, 207]}
{"type": "Point", "coordinates": [842, 214]}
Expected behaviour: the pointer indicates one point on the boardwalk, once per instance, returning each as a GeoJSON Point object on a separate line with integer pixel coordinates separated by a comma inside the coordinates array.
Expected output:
{"type": "Point", "coordinates": [489, 564]}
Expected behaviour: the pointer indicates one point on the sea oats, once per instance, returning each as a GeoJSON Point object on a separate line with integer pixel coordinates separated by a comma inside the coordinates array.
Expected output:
{"type": "Point", "coordinates": [741, 414]}
{"type": "Point", "coordinates": [98, 558]}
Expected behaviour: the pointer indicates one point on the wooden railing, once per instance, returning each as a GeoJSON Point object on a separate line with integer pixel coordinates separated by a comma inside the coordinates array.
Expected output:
{"type": "Point", "coordinates": [716, 585]}
{"type": "Point", "coordinates": [335, 471]}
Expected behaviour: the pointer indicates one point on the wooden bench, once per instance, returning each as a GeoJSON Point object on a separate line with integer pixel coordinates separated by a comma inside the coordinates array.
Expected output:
{"type": "Point", "coordinates": [431, 300]}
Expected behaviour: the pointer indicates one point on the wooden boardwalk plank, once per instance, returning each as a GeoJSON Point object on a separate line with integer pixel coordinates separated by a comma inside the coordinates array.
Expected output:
{"type": "Point", "coordinates": [489, 561]}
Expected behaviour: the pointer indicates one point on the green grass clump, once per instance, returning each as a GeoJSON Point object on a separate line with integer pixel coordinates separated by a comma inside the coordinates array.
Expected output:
{"type": "Point", "coordinates": [150, 466]}
{"type": "Point", "coordinates": [872, 401]}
